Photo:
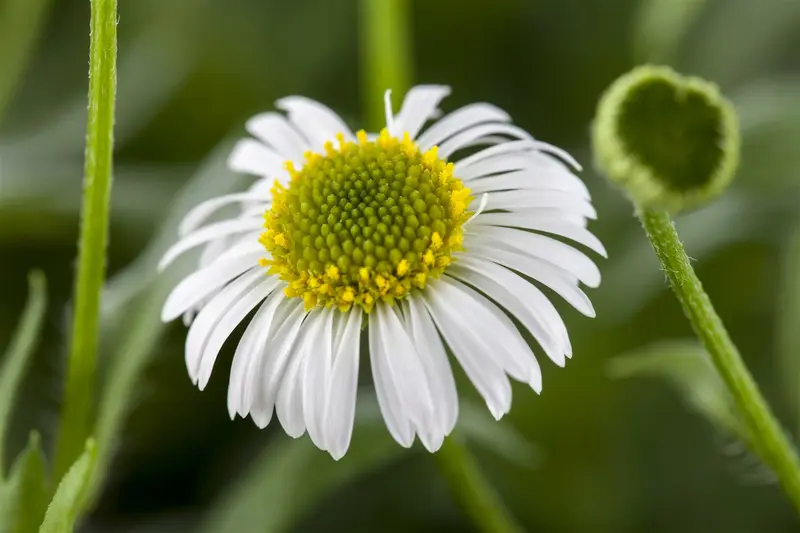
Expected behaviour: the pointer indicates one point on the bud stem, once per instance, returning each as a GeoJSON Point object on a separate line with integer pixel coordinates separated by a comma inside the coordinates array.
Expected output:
{"type": "Point", "coordinates": [765, 433]}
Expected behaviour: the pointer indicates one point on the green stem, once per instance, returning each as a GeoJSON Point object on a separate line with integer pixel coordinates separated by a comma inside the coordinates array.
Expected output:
{"type": "Point", "coordinates": [766, 436]}
{"type": "Point", "coordinates": [78, 401]}
{"type": "Point", "coordinates": [20, 25]}
{"type": "Point", "coordinates": [386, 54]}
{"type": "Point", "coordinates": [475, 494]}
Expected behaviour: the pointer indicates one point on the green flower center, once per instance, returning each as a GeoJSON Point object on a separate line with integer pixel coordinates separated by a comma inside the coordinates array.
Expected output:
{"type": "Point", "coordinates": [367, 221]}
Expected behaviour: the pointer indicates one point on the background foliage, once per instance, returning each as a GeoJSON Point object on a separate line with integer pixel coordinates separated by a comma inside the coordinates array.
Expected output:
{"type": "Point", "coordinates": [593, 452]}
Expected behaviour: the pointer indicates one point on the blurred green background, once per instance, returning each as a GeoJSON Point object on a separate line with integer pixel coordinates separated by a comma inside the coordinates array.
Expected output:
{"type": "Point", "coordinates": [592, 453]}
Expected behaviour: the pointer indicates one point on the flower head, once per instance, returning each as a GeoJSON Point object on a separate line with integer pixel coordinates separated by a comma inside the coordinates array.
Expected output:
{"type": "Point", "coordinates": [392, 237]}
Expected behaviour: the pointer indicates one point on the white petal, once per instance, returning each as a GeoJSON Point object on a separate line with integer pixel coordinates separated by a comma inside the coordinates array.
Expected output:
{"type": "Point", "coordinates": [208, 233]}
{"type": "Point", "coordinates": [289, 403]}
{"type": "Point", "coordinates": [212, 250]}
{"type": "Point", "coordinates": [253, 157]}
{"type": "Point", "coordinates": [228, 322]}
{"type": "Point", "coordinates": [555, 252]}
{"type": "Point", "coordinates": [459, 120]}
{"type": "Point", "coordinates": [493, 327]}
{"type": "Point", "coordinates": [530, 180]}
{"type": "Point", "coordinates": [560, 281]}
{"type": "Point", "coordinates": [210, 315]}
{"type": "Point", "coordinates": [466, 137]}
{"type": "Point", "coordinates": [248, 351]}
{"type": "Point", "coordinates": [551, 223]}
{"type": "Point", "coordinates": [203, 210]}
{"type": "Point", "coordinates": [527, 200]}
{"type": "Point", "coordinates": [563, 155]}
{"type": "Point", "coordinates": [316, 381]}
{"type": "Point", "coordinates": [284, 340]}
{"type": "Point", "coordinates": [318, 123]}
{"type": "Point", "coordinates": [257, 211]}
{"type": "Point", "coordinates": [434, 360]}
{"type": "Point", "coordinates": [522, 299]}
{"type": "Point", "coordinates": [484, 372]}
{"type": "Point", "coordinates": [407, 376]}
{"type": "Point", "coordinates": [498, 165]}
{"type": "Point", "coordinates": [285, 336]}
{"type": "Point", "coordinates": [527, 292]}
{"type": "Point", "coordinates": [204, 282]}
{"type": "Point", "coordinates": [419, 105]}
{"type": "Point", "coordinates": [341, 404]}
{"type": "Point", "coordinates": [389, 401]}
{"type": "Point", "coordinates": [524, 147]}
{"type": "Point", "coordinates": [275, 130]}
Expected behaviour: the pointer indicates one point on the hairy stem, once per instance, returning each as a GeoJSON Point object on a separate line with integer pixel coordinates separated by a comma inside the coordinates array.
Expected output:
{"type": "Point", "coordinates": [765, 433]}
{"type": "Point", "coordinates": [81, 379]}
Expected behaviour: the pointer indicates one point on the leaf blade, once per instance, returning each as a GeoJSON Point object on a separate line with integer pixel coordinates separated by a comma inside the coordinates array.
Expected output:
{"type": "Point", "coordinates": [25, 496]}
{"type": "Point", "coordinates": [68, 502]}
{"type": "Point", "coordinates": [685, 365]}
{"type": "Point", "coordinates": [22, 346]}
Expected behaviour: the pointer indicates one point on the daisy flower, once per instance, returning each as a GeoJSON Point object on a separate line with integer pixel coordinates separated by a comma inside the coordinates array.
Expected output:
{"type": "Point", "coordinates": [387, 243]}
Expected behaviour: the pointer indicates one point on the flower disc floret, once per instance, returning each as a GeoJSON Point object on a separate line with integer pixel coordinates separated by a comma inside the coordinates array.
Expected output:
{"type": "Point", "coordinates": [367, 221]}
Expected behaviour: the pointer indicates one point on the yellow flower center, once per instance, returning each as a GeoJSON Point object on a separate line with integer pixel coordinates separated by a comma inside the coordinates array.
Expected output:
{"type": "Point", "coordinates": [367, 221]}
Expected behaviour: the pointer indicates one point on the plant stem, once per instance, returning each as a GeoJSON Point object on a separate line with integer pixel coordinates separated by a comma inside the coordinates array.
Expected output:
{"type": "Point", "coordinates": [386, 54]}
{"type": "Point", "coordinates": [475, 494]}
{"type": "Point", "coordinates": [78, 401]}
{"type": "Point", "coordinates": [766, 435]}
{"type": "Point", "coordinates": [20, 25]}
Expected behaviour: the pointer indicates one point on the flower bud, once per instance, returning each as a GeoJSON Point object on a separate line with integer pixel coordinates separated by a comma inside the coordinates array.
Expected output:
{"type": "Point", "coordinates": [670, 141]}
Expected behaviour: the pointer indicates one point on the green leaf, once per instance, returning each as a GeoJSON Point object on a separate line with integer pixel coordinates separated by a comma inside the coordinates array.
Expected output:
{"type": "Point", "coordinates": [23, 344]}
{"type": "Point", "coordinates": [20, 26]}
{"type": "Point", "coordinates": [686, 366]}
{"type": "Point", "coordinates": [660, 27]}
{"type": "Point", "coordinates": [292, 475]}
{"type": "Point", "coordinates": [68, 502]}
{"type": "Point", "coordinates": [25, 495]}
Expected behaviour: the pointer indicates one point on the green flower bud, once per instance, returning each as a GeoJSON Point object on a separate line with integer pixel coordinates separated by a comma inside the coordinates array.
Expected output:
{"type": "Point", "coordinates": [672, 142]}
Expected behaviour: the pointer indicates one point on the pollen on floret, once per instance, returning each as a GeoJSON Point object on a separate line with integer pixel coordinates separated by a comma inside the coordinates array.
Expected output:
{"type": "Point", "coordinates": [402, 267]}
{"type": "Point", "coordinates": [364, 222]}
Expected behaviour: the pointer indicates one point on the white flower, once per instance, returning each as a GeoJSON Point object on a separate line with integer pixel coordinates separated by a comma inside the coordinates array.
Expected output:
{"type": "Point", "coordinates": [347, 236]}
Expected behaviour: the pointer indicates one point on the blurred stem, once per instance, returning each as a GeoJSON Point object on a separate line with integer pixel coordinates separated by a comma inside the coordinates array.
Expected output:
{"type": "Point", "coordinates": [766, 436]}
{"type": "Point", "coordinates": [21, 22]}
{"type": "Point", "coordinates": [787, 332]}
{"type": "Point", "coordinates": [475, 494]}
{"type": "Point", "coordinates": [80, 386]}
{"type": "Point", "coordinates": [386, 54]}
